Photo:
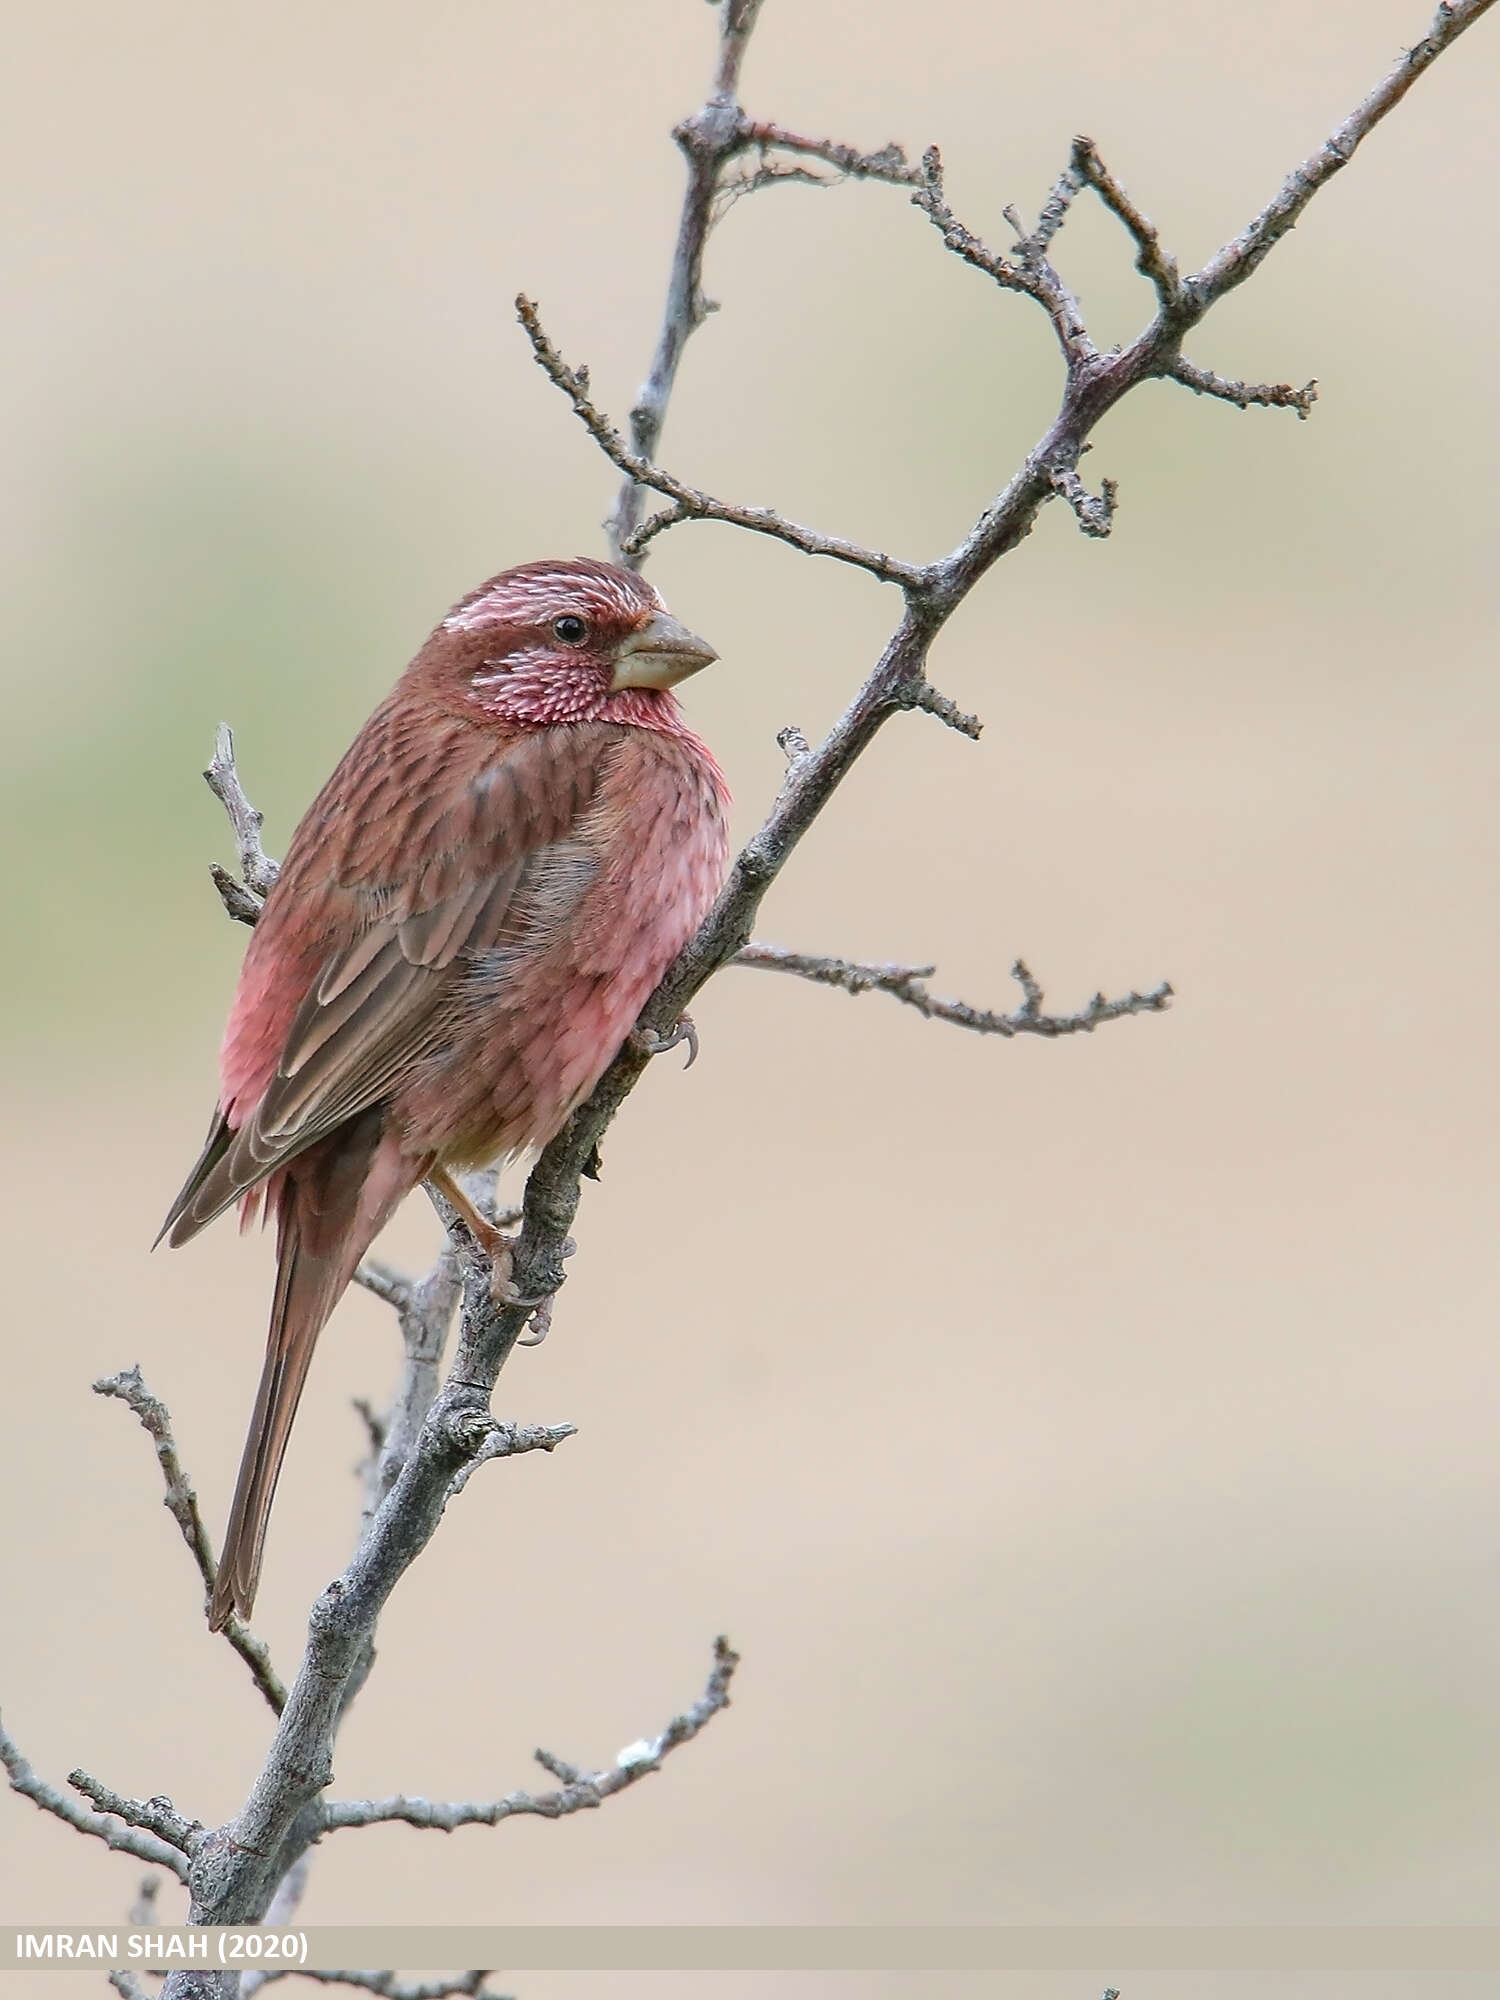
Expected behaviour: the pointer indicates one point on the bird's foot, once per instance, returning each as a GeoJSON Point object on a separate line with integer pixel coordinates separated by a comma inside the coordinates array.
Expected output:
{"type": "Point", "coordinates": [501, 1251]}
{"type": "Point", "coordinates": [490, 1238]}
{"type": "Point", "coordinates": [540, 1323]}
{"type": "Point", "coordinates": [651, 1044]}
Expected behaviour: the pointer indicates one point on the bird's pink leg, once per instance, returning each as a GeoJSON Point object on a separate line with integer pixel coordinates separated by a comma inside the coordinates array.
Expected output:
{"type": "Point", "coordinates": [495, 1244]}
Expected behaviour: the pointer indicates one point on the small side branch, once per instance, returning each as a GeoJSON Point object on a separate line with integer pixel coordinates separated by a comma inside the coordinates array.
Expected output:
{"type": "Point", "coordinates": [908, 984]}
{"type": "Point", "coordinates": [889, 164]}
{"type": "Point", "coordinates": [392, 1288]}
{"type": "Point", "coordinates": [1032, 275]}
{"type": "Point", "coordinates": [1065, 190]}
{"type": "Point", "coordinates": [1244, 395]}
{"type": "Point", "coordinates": [689, 504]}
{"type": "Point", "coordinates": [127, 1985]}
{"type": "Point", "coordinates": [1151, 260]}
{"type": "Point", "coordinates": [581, 1791]}
{"type": "Point", "coordinates": [181, 1502]}
{"type": "Point", "coordinates": [1094, 512]}
{"type": "Point", "coordinates": [123, 1838]}
{"type": "Point", "coordinates": [389, 1985]}
{"type": "Point", "coordinates": [257, 869]}
{"type": "Point", "coordinates": [157, 1815]}
{"type": "Point", "coordinates": [509, 1441]}
{"type": "Point", "coordinates": [931, 702]}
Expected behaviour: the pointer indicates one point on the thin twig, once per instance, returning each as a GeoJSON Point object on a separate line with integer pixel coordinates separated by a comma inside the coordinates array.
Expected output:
{"type": "Point", "coordinates": [1095, 513]}
{"type": "Point", "coordinates": [707, 140]}
{"type": "Point", "coordinates": [931, 702]}
{"type": "Point", "coordinates": [908, 984]}
{"type": "Point", "coordinates": [1054, 212]}
{"type": "Point", "coordinates": [158, 1815]}
{"type": "Point", "coordinates": [223, 778]}
{"type": "Point", "coordinates": [510, 1440]}
{"type": "Point", "coordinates": [394, 1288]}
{"type": "Point", "coordinates": [1033, 275]}
{"type": "Point", "coordinates": [1238, 259]}
{"type": "Point", "coordinates": [127, 1985]}
{"type": "Point", "coordinates": [1152, 261]}
{"type": "Point", "coordinates": [114, 1833]}
{"type": "Point", "coordinates": [1244, 395]}
{"type": "Point", "coordinates": [387, 1984]}
{"type": "Point", "coordinates": [181, 1502]}
{"type": "Point", "coordinates": [889, 164]}
{"type": "Point", "coordinates": [581, 1791]}
{"type": "Point", "coordinates": [689, 503]}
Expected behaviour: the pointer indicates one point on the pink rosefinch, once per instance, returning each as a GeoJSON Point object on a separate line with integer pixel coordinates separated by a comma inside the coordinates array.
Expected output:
{"type": "Point", "coordinates": [468, 920]}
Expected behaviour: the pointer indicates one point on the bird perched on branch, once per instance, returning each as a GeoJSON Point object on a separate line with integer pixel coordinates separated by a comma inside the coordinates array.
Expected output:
{"type": "Point", "coordinates": [468, 920]}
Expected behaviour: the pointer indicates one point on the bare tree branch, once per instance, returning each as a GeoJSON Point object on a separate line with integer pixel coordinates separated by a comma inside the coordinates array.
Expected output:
{"type": "Point", "coordinates": [933, 703]}
{"type": "Point", "coordinates": [1244, 255]}
{"type": "Point", "coordinates": [889, 164]}
{"type": "Point", "coordinates": [689, 503]}
{"type": "Point", "coordinates": [386, 1984]}
{"type": "Point", "coordinates": [771, 169]}
{"type": "Point", "coordinates": [1151, 260]}
{"type": "Point", "coordinates": [127, 1985]}
{"type": "Point", "coordinates": [223, 778]}
{"type": "Point", "coordinates": [181, 1502]}
{"type": "Point", "coordinates": [393, 1288]}
{"type": "Point", "coordinates": [1095, 513]}
{"type": "Point", "coordinates": [158, 1815]}
{"type": "Point", "coordinates": [424, 1312]}
{"type": "Point", "coordinates": [1244, 395]}
{"type": "Point", "coordinates": [1031, 274]}
{"type": "Point", "coordinates": [126, 1839]}
{"type": "Point", "coordinates": [707, 139]}
{"type": "Point", "coordinates": [581, 1791]}
{"type": "Point", "coordinates": [509, 1441]}
{"type": "Point", "coordinates": [908, 984]}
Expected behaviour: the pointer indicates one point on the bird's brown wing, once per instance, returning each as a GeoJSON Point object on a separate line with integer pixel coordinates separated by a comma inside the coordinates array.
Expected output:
{"type": "Point", "coordinates": [503, 869]}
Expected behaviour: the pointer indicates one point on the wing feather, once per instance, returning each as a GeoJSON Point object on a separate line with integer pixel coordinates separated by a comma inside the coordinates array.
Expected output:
{"type": "Point", "coordinates": [376, 1001]}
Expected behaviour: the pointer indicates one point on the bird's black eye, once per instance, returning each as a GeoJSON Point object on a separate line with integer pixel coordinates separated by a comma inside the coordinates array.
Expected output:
{"type": "Point", "coordinates": [572, 631]}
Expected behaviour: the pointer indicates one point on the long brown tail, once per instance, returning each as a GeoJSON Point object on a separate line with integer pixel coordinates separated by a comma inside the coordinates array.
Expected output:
{"type": "Point", "coordinates": [325, 1222]}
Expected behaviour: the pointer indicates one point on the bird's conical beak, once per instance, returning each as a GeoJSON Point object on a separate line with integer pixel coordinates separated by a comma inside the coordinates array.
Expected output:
{"type": "Point", "coordinates": [659, 655]}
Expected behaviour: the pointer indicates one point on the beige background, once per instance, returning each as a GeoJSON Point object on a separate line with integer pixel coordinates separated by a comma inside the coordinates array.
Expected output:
{"type": "Point", "coordinates": [1090, 1445]}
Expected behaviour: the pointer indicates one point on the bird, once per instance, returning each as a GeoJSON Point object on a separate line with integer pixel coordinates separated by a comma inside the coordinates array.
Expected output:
{"type": "Point", "coordinates": [468, 920]}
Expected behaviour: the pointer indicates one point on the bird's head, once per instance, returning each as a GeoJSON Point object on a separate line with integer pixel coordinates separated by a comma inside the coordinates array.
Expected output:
{"type": "Point", "coordinates": [567, 641]}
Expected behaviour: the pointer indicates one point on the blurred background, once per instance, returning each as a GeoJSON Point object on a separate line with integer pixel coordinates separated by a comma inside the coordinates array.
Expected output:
{"type": "Point", "coordinates": [1089, 1445]}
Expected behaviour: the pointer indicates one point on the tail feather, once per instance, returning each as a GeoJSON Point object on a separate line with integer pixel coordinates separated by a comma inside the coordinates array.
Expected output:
{"type": "Point", "coordinates": [330, 1205]}
{"type": "Point", "coordinates": [215, 1146]}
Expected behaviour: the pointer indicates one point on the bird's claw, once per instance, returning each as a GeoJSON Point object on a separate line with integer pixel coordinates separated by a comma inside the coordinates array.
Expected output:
{"type": "Point", "coordinates": [539, 1325]}
{"type": "Point", "coordinates": [651, 1044]}
{"type": "Point", "coordinates": [503, 1287]}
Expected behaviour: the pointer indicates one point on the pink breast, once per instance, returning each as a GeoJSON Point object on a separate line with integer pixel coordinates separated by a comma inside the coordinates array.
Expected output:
{"type": "Point", "coordinates": [663, 842]}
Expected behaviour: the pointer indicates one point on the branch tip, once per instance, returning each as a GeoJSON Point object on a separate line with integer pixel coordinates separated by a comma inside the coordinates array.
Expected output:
{"type": "Point", "coordinates": [931, 702]}
{"type": "Point", "coordinates": [581, 1790]}
{"type": "Point", "coordinates": [1244, 395]}
{"type": "Point", "coordinates": [908, 984]}
{"type": "Point", "coordinates": [181, 1502]}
